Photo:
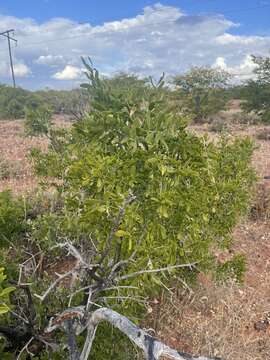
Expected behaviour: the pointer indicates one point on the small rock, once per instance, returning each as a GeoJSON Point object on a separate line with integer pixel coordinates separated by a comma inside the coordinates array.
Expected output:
{"type": "Point", "coordinates": [261, 325]}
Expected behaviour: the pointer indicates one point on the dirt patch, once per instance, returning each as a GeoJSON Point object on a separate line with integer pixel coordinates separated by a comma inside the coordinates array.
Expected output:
{"type": "Point", "coordinates": [225, 321]}
{"type": "Point", "coordinates": [14, 148]}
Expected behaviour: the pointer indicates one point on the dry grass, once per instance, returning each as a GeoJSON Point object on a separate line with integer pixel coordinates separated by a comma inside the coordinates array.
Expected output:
{"type": "Point", "coordinates": [215, 321]}
{"type": "Point", "coordinates": [260, 209]}
{"type": "Point", "coordinates": [14, 149]}
{"type": "Point", "coordinates": [264, 134]}
{"type": "Point", "coordinates": [228, 320]}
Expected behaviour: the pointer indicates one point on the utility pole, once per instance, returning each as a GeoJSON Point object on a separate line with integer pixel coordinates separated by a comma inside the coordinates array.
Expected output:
{"type": "Point", "coordinates": [7, 35]}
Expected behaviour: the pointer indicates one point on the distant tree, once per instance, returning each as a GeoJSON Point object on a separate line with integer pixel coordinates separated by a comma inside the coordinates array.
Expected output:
{"type": "Point", "coordinates": [256, 93]}
{"type": "Point", "coordinates": [263, 69]}
{"type": "Point", "coordinates": [38, 121]}
{"type": "Point", "coordinates": [203, 90]}
{"type": "Point", "coordinates": [13, 102]}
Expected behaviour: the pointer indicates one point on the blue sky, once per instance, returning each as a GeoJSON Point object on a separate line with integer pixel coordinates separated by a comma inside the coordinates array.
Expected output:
{"type": "Point", "coordinates": [142, 36]}
{"type": "Point", "coordinates": [252, 14]}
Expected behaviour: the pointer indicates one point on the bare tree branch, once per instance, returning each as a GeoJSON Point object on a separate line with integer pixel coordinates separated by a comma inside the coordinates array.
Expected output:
{"type": "Point", "coordinates": [152, 348]}
{"type": "Point", "coordinates": [75, 253]}
{"type": "Point", "coordinates": [72, 344]}
{"type": "Point", "coordinates": [25, 348]}
{"type": "Point", "coordinates": [147, 271]}
{"type": "Point", "coordinates": [56, 282]}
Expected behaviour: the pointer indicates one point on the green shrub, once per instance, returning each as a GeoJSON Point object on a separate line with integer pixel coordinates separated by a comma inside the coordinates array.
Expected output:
{"type": "Point", "coordinates": [203, 91]}
{"type": "Point", "coordinates": [112, 344]}
{"type": "Point", "coordinates": [218, 125]}
{"type": "Point", "coordinates": [12, 216]}
{"type": "Point", "coordinates": [190, 192]}
{"type": "Point", "coordinates": [232, 269]}
{"type": "Point", "coordinates": [256, 93]}
{"type": "Point", "coordinates": [4, 293]}
{"type": "Point", "coordinates": [137, 192]}
{"type": "Point", "coordinates": [38, 121]}
{"type": "Point", "coordinates": [13, 102]}
{"type": "Point", "coordinates": [4, 169]}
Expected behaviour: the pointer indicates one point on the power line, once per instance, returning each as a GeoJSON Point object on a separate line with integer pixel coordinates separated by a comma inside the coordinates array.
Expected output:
{"type": "Point", "coordinates": [9, 38]}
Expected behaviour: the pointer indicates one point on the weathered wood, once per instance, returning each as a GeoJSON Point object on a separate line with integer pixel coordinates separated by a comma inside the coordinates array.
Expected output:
{"type": "Point", "coordinates": [152, 348]}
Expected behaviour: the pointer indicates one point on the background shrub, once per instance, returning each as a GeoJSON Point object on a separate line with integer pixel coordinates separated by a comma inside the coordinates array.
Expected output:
{"type": "Point", "coordinates": [256, 93]}
{"type": "Point", "coordinates": [232, 269]}
{"type": "Point", "coordinates": [13, 102]}
{"type": "Point", "coordinates": [12, 219]}
{"type": "Point", "coordinates": [260, 209]}
{"type": "Point", "coordinates": [203, 91]}
{"type": "Point", "coordinates": [4, 169]}
{"type": "Point", "coordinates": [263, 134]}
{"type": "Point", "coordinates": [38, 121]}
{"type": "Point", "coordinates": [219, 125]}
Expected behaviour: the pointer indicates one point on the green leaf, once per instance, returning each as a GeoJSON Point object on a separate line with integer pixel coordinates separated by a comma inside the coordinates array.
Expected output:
{"type": "Point", "coordinates": [130, 243]}
{"type": "Point", "coordinates": [4, 309]}
{"type": "Point", "coordinates": [7, 291]}
{"type": "Point", "coordinates": [163, 211]}
{"type": "Point", "coordinates": [121, 233]}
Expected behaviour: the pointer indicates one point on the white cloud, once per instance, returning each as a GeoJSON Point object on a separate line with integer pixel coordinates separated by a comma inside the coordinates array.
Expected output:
{"type": "Point", "coordinates": [68, 73]}
{"type": "Point", "coordinates": [220, 63]}
{"type": "Point", "coordinates": [50, 60]}
{"type": "Point", "coordinates": [243, 71]}
{"type": "Point", "coordinates": [228, 39]}
{"type": "Point", "coordinates": [21, 70]}
{"type": "Point", "coordinates": [161, 38]}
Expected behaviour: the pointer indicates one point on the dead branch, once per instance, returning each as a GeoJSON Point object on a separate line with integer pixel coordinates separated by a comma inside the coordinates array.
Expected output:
{"type": "Point", "coordinates": [148, 271]}
{"type": "Point", "coordinates": [31, 311]}
{"type": "Point", "coordinates": [56, 282]}
{"type": "Point", "coordinates": [152, 348]}
{"type": "Point", "coordinates": [25, 348]}
{"type": "Point", "coordinates": [76, 254]}
{"type": "Point", "coordinates": [71, 341]}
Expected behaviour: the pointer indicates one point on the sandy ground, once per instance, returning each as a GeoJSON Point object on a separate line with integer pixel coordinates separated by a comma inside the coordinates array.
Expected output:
{"type": "Point", "coordinates": [14, 149]}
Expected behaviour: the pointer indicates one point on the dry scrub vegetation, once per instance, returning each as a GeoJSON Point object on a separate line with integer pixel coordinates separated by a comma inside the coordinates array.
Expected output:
{"type": "Point", "coordinates": [229, 320]}
{"type": "Point", "coordinates": [226, 320]}
{"type": "Point", "coordinates": [14, 150]}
